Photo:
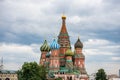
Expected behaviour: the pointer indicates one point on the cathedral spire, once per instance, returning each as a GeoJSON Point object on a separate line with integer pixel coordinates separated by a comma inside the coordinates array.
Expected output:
{"type": "Point", "coordinates": [63, 28]}
{"type": "Point", "coordinates": [63, 38]}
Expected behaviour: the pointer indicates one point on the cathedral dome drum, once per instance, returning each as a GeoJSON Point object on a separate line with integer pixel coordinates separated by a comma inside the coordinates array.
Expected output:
{"type": "Point", "coordinates": [45, 47]}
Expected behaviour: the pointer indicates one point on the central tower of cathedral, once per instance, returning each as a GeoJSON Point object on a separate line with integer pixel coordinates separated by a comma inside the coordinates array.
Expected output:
{"type": "Point", "coordinates": [60, 60]}
{"type": "Point", "coordinates": [64, 41]}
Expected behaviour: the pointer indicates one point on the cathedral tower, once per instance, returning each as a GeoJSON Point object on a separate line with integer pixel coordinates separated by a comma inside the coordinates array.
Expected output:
{"type": "Point", "coordinates": [44, 50]}
{"type": "Point", "coordinates": [79, 59]}
{"type": "Point", "coordinates": [63, 40]}
{"type": "Point", "coordinates": [54, 57]}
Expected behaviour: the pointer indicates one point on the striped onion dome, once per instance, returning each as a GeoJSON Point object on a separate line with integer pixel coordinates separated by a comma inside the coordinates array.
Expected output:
{"type": "Point", "coordinates": [45, 47]}
{"type": "Point", "coordinates": [48, 55]}
{"type": "Point", "coordinates": [69, 53]}
{"type": "Point", "coordinates": [54, 45]}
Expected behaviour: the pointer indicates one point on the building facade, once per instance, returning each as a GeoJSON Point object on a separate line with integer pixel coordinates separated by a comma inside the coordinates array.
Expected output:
{"type": "Point", "coordinates": [60, 60]}
{"type": "Point", "coordinates": [8, 76]}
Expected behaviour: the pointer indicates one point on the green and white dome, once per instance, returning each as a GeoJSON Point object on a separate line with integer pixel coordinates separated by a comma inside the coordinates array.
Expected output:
{"type": "Point", "coordinates": [45, 47]}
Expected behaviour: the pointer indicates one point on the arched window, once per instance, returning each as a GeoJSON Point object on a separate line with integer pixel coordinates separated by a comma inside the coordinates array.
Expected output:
{"type": "Point", "coordinates": [67, 78]}
{"type": "Point", "coordinates": [70, 78]}
{"type": "Point", "coordinates": [7, 79]}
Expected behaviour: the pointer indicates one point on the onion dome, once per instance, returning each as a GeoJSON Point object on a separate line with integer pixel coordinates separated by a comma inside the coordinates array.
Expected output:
{"type": "Point", "coordinates": [78, 44]}
{"type": "Point", "coordinates": [45, 47]}
{"type": "Point", "coordinates": [48, 55]}
{"type": "Point", "coordinates": [69, 53]}
{"type": "Point", "coordinates": [54, 45]}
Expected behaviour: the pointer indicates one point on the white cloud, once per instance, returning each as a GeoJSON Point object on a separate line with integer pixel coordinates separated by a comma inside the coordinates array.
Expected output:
{"type": "Point", "coordinates": [84, 4]}
{"type": "Point", "coordinates": [109, 67]}
{"type": "Point", "coordinates": [116, 58]}
{"type": "Point", "coordinates": [74, 19]}
{"type": "Point", "coordinates": [12, 66]}
{"type": "Point", "coordinates": [97, 42]}
{"type": "Point", "coordinates": [97, 52]}
{"type": "Point", "coordinates": [101, 47]}
{"type": "Point", "coordinates": [15, 54]}
{"type": "Point", "coordinates": [100, 54]}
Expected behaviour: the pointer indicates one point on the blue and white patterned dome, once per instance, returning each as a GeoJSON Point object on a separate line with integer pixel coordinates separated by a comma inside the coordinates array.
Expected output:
{"type": "Point", "coordinates": [54, 45]}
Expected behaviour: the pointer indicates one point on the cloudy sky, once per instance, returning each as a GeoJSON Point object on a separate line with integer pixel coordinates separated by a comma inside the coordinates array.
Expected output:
{"type": "Point", "coordinates": [24, 24]}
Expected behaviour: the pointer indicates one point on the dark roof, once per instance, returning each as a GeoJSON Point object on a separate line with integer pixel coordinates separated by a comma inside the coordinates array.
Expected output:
{"type": "Point", "coordinates": [78, 44]}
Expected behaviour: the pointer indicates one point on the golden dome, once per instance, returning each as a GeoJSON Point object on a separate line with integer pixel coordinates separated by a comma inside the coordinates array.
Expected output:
{"type": "Point", "coordinates": [69, 53]}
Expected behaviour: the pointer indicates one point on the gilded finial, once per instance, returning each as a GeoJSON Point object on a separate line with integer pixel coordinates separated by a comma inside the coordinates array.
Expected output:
{"type": "Point", "coordinates": [63, 16]}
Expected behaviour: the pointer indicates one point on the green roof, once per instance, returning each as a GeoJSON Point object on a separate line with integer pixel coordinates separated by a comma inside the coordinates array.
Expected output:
{"type": "Point", "coordinates": [68, 60]}
{"type": "Point", "coordinates": [63, 69]}
{"type": "Point", "coordinates": [63, 34]}
{"type": "Point", "coordinates": [62, 59]}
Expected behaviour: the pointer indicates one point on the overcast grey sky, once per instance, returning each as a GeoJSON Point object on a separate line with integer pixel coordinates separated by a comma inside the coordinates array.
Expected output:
{"type": "Point", "coordinates": [24, 24]}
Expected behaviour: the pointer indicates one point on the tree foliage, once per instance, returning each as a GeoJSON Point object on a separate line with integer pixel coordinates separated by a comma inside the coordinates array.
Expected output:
{"type": "Point", "coordinates": [101, 75]}
{"type": "Point", "coordinates": [31, 71]}
{"type": "Point", "coordinates": [58, 78]}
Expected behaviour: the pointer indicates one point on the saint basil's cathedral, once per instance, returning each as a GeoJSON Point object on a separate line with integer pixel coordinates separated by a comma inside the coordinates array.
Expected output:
{"type": "Point", "coordinates": [59, 59]}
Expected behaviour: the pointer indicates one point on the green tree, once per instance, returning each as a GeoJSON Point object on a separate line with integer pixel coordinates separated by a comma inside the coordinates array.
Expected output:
{"type": "Point", "coordinates": [58, 78]}
{"type": "Point", "coordinates": [101, 75]}
{"type": "Point", "coordinates": [8, 72]}
{"type": "Point", "coordinates": [19, 72]}
{"type": "Point", "coordinates": [31, 71]}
